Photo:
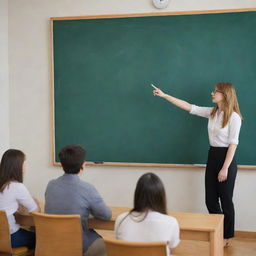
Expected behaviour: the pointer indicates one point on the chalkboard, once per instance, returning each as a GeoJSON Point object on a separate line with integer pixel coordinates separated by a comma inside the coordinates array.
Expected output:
{"type": "Point", "coordinates": [103, 68]}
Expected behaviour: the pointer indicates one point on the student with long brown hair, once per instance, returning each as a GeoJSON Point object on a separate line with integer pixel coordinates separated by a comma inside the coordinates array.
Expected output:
{"type": "Point", "coordinates": [148, 220]}
{"type": "Point", "coordinates": [13, 194]}
{"type": "Point", "coordinates": [224, 122]}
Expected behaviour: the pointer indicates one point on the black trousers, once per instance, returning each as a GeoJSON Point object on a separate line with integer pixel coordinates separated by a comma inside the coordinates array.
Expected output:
{"type": "Point", "coordinates": [218, 195]}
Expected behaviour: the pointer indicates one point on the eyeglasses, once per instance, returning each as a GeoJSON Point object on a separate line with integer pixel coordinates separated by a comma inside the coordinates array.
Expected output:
{"type": "Point", "coordinates": [217, 91]}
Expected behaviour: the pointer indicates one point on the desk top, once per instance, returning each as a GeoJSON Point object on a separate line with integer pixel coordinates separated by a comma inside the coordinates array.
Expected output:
{"type": "Point", "coordinates": [187, 220]}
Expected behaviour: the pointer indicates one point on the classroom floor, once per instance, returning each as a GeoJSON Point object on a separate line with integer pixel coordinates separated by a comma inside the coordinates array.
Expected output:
{"type": "Point", "coordinates": [238, 247]}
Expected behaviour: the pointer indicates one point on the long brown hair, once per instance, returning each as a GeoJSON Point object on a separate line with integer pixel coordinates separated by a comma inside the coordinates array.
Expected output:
{"type": "Point", "coordinates": [11, 167]}
{"type": "Point", "coordinates": [149, 195]}
{"type": "Point", "coordinates": [230, 102]}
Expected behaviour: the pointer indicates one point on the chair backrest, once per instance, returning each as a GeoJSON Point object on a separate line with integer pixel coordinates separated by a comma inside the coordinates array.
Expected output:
{"type": "Point", "coordinates": [5, 239]}
{"type": "Point", "coordinates": [125, 248]}
{"type": "Point", "coordinates": [58, 235]}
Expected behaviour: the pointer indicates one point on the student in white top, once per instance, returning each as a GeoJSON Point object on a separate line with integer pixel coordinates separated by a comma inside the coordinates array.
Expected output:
{"type": "Point", "coordinates": [148, 220]}
{"type": "Point", "coordinates": [224, 122]}
{"type": "Point", "coordinates": [14, 194]}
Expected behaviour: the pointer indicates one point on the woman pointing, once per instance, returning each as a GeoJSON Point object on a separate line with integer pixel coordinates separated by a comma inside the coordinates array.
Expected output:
{"type": "Point", "coordinates": [224, 122]}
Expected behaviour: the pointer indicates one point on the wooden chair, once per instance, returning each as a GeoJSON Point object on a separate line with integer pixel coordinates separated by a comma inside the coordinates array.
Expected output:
{"type": "Point", "coordinates": [58, 235]}
{"type": "Point", "coordinates": [116, 247]}
{"type": "Point", "coordinates": [5, 240]}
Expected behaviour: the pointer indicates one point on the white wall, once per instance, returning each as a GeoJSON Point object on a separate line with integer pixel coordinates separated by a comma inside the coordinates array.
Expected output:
{"type": "Point", "coordinates": [4, 77]}
{"type": "Point", "coordinates": [30, 106]}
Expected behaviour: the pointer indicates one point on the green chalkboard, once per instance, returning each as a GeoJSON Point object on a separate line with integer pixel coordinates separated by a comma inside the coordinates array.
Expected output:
{"type": "Point", "coordinates": [103, 68]}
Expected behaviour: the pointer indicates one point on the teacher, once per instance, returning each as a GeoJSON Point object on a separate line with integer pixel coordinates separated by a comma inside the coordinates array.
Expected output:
{"type": "Point", "coordinates": [223, 130]}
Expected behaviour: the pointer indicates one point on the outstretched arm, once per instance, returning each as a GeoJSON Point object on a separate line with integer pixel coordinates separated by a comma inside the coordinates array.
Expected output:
{"type": "Point", "coordinates": [175, 101]}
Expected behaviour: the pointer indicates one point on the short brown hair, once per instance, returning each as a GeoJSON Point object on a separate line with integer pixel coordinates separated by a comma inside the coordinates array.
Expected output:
{"type": "Point", "coordinates": [72, 158]}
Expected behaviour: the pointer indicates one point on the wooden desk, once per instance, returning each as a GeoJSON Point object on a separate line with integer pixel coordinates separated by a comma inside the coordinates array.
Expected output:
{"type": "Point", "coordinates": [193, 226]}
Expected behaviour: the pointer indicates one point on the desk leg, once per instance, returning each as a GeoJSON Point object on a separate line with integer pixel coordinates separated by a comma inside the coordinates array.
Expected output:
{"type": "Point", "coordinates": [216, 242]}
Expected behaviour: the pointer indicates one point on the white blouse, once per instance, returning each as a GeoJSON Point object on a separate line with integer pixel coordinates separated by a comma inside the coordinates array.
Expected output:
{"type": "Point", "coordinates": [218, 136]}
{"type": "Point", "coordinates": [155, 227]}
{"type": "Point", "coordinates": [13, 195]}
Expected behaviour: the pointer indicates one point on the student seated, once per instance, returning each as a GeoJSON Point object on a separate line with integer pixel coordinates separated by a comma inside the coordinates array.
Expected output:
{"type": "Point", "coordinates": [70, 195]}
{"type": "Point", "coordinates": [14, 194]}
{"type": "Point", "coordinates": [148, 220]}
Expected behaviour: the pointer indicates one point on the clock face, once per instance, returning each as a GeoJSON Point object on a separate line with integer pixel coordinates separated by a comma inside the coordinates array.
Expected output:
{"type": "Point", "coordinates": [160, 4]}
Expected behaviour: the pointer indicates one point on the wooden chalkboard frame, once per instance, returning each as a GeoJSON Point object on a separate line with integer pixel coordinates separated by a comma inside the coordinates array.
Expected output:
{"type": "Point", "coordinates": [193, 166]}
